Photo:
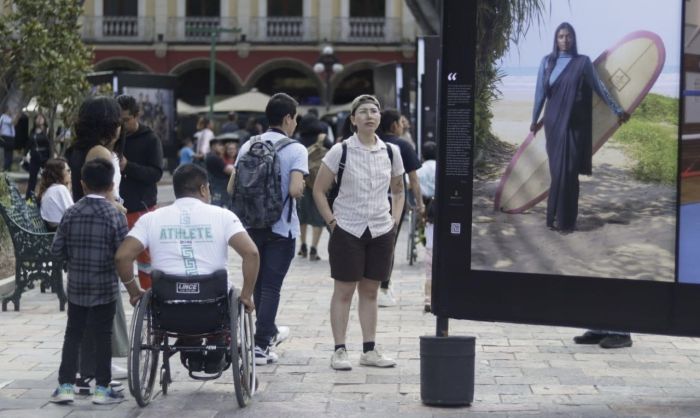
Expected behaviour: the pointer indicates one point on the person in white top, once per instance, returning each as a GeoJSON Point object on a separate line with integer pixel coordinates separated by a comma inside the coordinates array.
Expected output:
{"type": "Point", "coordinates": [362, 228]}
{"type": "Point", "coordinates": [191, 237]}
{"type": "Point", "coordinates": [203, 137]}
{"type": "Point", "coordinates": [54, 192]}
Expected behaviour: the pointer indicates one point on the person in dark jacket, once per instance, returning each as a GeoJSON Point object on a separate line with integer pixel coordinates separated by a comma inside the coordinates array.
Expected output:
{"type": "Point", "coordinates": [142, 169]}
{"type": "Point", "coordinates": [389, 130]}
{"type": "Point", "coordinates": [39, 151]}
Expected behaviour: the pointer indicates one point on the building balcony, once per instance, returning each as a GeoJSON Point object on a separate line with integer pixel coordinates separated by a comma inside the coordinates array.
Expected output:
{"type": "Point", "coordinates": [283, 29]}
{"type": "Point", "coordinates": [118, 29]}
{"type": "Point", "coordinates": [197, 29]}
{"type": "Point", "coordinates": [366, 30]}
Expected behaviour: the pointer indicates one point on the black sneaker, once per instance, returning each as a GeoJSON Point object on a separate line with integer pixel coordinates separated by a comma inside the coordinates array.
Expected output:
{"type": "Point", "coordinates": [302, 251]}
{"type": "Point", "coordinates": [616, 341]}
{"type": "Point", "coordinates": [313, 255]}
{"type": "Point", "coordinates": [589, 337]}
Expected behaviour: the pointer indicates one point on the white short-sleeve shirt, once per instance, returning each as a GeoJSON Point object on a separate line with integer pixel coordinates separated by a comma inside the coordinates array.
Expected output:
{"type": "Point", "coordinates": [54, 202]}
{"type": "Point", "coordinates": [362, 200]}
{"type": "Point", "coordinates": [188, 237]}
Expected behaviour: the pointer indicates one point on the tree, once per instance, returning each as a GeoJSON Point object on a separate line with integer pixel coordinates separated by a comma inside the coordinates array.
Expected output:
{"type": "Point", "coordinates": [43, 56]}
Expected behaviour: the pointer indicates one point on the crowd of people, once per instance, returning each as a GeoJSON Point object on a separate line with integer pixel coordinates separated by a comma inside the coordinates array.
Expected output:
{"type": "Point", "coordinates": [101, 201]}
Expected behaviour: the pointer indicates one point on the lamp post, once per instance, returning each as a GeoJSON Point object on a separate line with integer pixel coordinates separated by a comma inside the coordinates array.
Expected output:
{"type": "Point", "coordinates": [328, 64]}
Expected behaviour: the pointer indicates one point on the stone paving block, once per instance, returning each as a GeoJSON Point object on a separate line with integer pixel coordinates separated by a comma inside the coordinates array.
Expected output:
{"type": "Point", "coordinates": [563, 389]}
{"type": "Point", "coordinates": [366, 388]}
{"type": "Point", "coordinates": [503, 389]}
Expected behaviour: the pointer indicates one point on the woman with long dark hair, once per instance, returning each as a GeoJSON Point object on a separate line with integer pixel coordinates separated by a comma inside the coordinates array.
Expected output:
{"type": "Point", "coordinates": [565, 82]}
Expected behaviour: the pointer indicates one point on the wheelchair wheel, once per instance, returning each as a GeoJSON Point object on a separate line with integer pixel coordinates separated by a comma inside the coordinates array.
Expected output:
{"type": "Point", "coordinates": [242, 354]}
{"type": "Point", "coordinates": [143, 354]}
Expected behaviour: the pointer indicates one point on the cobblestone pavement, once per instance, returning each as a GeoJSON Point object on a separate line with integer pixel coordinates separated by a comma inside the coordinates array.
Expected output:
{"type": "Point", "coordinates": [520, 369]}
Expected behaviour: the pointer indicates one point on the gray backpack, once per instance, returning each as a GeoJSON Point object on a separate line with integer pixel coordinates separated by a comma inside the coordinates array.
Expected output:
{"type": "Point", "coordinates": [257, 190]}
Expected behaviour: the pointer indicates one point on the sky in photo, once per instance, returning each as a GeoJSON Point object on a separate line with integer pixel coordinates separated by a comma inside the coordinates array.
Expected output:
{"type": "Point", "coordinates": [599, 24]}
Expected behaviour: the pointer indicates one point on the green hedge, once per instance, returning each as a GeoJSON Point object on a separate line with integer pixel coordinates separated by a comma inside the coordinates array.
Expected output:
{"type": "Point", "coordinates": [653, 147]}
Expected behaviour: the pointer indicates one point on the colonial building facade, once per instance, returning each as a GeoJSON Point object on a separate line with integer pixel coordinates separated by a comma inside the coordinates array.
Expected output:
{"type": "Point", "coordinates": [271, 45]}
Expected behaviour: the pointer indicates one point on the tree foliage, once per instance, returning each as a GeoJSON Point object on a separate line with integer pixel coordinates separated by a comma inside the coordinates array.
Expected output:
{"type": "Point", "coordinates": [499, 22]}
{"type": "Point", "coordinates": [43, 56]}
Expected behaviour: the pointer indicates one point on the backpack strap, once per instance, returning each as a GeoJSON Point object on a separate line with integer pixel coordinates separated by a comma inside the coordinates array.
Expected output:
{"type": "Point", "coordinates": [390, 152]}
{"type": "Point", "coordinates": [341, 165]}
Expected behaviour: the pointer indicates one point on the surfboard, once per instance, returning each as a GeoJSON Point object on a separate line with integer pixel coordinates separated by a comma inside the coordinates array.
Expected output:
{"type": "Point", "coordinates": [629, 69]}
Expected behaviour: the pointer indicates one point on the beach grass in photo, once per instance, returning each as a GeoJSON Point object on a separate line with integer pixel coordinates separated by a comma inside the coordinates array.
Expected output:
{"type": "Point", "coordinates": [650, 140]}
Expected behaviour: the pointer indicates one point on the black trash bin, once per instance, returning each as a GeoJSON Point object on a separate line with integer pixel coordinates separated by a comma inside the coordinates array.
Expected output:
{"type": "Point", "coordinates": [447, 370]}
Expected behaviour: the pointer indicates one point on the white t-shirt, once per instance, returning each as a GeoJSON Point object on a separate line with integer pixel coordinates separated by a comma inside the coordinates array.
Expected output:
{"type": "Point", "coordinates": [188, 237]}
{"type": "Point", "coordinates": [203, 138]}
{"type": "Point", "coordinates": [54, 202]}
{"type": "Point", "coordinates": [117, 177]}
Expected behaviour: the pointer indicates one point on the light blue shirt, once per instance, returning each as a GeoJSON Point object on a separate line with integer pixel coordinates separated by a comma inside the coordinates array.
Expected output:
{"type": "Point", "coordinates": [293, 157]}
{"type": "Point", "coordinates": [426, 177]}
{"type": "Point", "coordinates": [590, 75]}
{"type": "Point", "coordinates": [6, 126]}
{"type": "Point", "coordinates": [186, 155]}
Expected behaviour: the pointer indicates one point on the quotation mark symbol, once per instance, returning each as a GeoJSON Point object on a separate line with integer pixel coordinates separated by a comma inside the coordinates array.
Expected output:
{"type": "Point", "coordinates": [452, 77]}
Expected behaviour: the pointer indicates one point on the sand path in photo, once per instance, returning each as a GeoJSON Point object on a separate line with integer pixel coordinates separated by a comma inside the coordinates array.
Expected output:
{"type": "Point", "coordinates": [625, 228]}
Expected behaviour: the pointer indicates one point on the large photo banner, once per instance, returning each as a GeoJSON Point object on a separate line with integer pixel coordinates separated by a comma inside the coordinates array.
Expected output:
{"type": "Point", "coordinates": [585, 194]}
{"type": "Point", "coordinates": [568, 208]}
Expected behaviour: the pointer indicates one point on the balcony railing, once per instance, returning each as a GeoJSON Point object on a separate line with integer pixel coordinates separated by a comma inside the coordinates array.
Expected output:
{"type": "Point", "coordinates": [118, 29]}
{"type": "Point", "coordinates": [194, 29]}
{"type": "Point", "coordinates": [284, 29]}
{"type": "Point", "coordinates": [365, 30]}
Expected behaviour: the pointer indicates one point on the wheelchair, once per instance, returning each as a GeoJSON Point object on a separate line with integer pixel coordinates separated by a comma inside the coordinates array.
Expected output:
{"type": "Point", "coordinates": [204, 321]}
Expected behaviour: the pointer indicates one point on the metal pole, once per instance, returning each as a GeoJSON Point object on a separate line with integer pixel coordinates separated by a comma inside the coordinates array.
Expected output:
{"type": "Point", "coordinates": [441, 326]}
{"type": "Point", "coordinates": [328, 89]}
{"type": "Point", "coordinates": [212, 71]}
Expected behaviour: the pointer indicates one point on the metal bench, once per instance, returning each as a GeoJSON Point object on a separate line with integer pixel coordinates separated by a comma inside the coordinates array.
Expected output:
{"type": "Point", "coordinates": [32, 246]}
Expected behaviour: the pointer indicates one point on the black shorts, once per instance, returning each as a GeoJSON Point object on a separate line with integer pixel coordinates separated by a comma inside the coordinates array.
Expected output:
{"type": "Point", "coordinates": [353, 258]}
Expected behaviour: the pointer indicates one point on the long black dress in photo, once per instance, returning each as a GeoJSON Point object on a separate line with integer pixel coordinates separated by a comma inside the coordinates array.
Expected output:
{"type": "Point", "coordinates": [568, 128]}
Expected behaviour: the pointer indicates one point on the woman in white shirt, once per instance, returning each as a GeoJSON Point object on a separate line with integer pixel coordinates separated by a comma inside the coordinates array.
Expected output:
{"type": "Point", "coordinates": [54, 194]}
{"type": "Point", "coordinates": [362, 225]}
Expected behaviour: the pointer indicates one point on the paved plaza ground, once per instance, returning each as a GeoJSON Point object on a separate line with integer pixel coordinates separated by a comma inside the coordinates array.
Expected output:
{"type": "Point", "coordinates": [520, 369]}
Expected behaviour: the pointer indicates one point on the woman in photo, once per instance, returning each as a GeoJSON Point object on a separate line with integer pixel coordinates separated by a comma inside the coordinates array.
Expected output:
{"type": "Point", "coordinates": [362, 226]}
{"type": "Point", "coordinates": [565, 82]}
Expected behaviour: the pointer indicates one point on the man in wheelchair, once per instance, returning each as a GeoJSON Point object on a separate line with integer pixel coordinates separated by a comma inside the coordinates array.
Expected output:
{"type": "Point", "coordinates": [191, 238]}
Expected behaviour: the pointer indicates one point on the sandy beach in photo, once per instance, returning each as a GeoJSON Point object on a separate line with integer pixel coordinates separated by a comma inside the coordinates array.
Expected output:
{"type": "Point", "coordinates": [625, 229]}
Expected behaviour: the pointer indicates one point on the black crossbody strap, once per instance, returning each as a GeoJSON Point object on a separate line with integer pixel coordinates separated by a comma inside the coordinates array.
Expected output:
{"type": "Point", "coordinates": [341, 166]}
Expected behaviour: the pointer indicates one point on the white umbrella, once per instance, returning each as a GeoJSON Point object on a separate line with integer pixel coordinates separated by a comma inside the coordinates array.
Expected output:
{"type": "Point", "coordinates": [252, 101]}
{"type": "Point", "coordinates": [184, 108]}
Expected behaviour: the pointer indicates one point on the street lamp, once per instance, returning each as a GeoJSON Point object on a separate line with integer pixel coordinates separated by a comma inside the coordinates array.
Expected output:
{"type": "Point", "coordinates": [329, 64]}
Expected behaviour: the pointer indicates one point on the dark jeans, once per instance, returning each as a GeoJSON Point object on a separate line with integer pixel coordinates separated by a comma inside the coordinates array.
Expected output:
{"type": "Point", "coordinates": [99, 319]}
{"type": "Point", "coordinates": [34, 167]}
{"type": "Point", "coordinates": [276, 254]}
{"type": "Point", "coordinates": [8, 144]}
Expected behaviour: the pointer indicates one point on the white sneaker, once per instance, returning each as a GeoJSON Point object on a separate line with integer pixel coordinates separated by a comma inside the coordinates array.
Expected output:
{"type": "Point", "coordinates": [282, 334]}
{"type": "Point", "coordinates": [118, 373]}
{"type": "Point", "coordinates": [385, 298]}
{"type": "Point", "coordinates": [264, 357]}
{"type": "Point", "coordinates": [375, 359]}
{"type": "Point", "coordinates": [340, 360]}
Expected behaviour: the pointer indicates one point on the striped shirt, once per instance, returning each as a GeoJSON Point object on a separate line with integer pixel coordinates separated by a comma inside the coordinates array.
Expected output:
{"type": "Point", "coordinates": [362, 202]}
{"type": "Point", "coordinates": [88, 237]}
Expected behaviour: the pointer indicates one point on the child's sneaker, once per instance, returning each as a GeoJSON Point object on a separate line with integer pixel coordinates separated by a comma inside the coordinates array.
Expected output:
{"type": "Point", "coordinates": [63, 394]}
{"type": "Point", "coordinates": [106, 396]}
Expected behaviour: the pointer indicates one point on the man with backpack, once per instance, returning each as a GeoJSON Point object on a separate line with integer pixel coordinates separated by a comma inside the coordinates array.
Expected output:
{"type": "Point", "coordinates": [268, 175]}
